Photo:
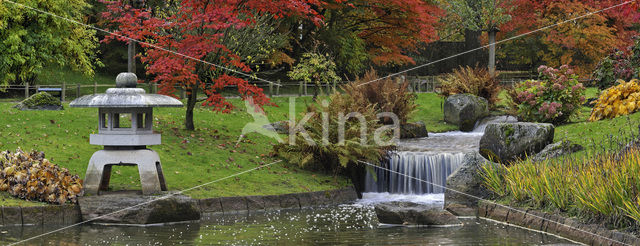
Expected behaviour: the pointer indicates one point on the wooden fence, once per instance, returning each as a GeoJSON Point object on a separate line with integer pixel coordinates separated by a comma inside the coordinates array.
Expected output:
{"type": "Point", "coordinates": [77, 90]}
{"type": "Point", "coordinates": [422, 84]}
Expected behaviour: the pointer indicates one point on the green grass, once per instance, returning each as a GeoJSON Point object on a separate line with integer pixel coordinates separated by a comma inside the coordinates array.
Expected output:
{"type": "Point", "coordinates": [429, 111]}
{"type": "Point", "coordinates": [189, 158]}
{"type": "Point", "coordinates": [603, 135]}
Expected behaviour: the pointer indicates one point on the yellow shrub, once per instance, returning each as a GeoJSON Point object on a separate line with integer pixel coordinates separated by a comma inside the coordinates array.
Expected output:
{"type": "Point", "coordinates": [618, 100]}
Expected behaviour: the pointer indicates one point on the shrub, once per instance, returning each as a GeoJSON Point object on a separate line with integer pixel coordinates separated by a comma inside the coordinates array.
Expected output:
{"type": "Point", "coordinates": [385, 95]}
{"type": "Point", "coordinates": [476, 81]}
{"type": "Point", "coordinates": [554, 99]}
{"type": "Point", "coordinates": [40, 99]}
{"type": "Point", "coordinates": [315, 68]}
{"type": "Point", "coordinates": [618, 100]}
{"type": "Point", "coordinates": [613, 67]}
{"type": "Point", "coordinates": [330, 154]}
{"type": "Point", "coordinates": [32, 177]}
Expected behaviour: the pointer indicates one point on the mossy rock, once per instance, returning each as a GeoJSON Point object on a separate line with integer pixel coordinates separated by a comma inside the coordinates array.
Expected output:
{"type": "Point", "coordinates": [509, 142]}
{"type": "Point", "coordinates": [40, 101]}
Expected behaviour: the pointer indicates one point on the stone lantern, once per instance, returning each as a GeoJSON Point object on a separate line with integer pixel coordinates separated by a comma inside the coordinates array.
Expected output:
{"type": "Point", "coordinates": [125, 128]}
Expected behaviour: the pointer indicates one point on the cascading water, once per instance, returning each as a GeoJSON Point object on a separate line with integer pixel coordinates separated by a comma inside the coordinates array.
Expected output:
{"type": "Point", "coordinates": [416, 167]}
{"type": "Point", "coordinates": [422, 165]}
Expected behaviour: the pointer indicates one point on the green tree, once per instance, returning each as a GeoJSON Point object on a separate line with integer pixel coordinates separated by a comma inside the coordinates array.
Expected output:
{"type": "Point", "coordinates": [315, 68]}
{"type": "Point", "coordinates": [31, 40]}
{"type": "Point", "coordinates": [479, 16]}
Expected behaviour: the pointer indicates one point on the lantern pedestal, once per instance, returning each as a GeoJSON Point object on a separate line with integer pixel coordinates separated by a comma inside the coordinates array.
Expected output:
{"type": "Point", "coordinates": [149, 167]}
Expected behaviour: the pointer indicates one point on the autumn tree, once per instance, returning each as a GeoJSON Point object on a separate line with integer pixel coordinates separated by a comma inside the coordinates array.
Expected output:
{"type": "Point", "coordinates": [31, 40]}
{"type": "Point", "coordinates": [360, 33]}
{"type": "Point", "coordinates": [228, 35]}
{"type": "Point", "coordinates": [580, 43]}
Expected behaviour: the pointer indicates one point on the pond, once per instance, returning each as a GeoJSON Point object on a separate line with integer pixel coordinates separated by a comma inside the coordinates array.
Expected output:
{"type": "Point", "coordinates": [354, 224]}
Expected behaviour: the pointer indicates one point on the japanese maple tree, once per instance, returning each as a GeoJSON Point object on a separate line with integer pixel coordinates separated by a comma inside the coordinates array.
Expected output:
{"type": "Point", "coordinates": [180, 33]}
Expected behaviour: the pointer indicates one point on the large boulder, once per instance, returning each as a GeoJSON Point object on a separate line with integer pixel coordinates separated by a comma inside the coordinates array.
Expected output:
{"type": "Point", "coordinates": [40, 101]}
{"type": "Point", "coordinates": [136, 209]}
{"type": "Point", "coordinates": [413, 130]}
{"type": "Point", "coordinates": [508, 142]}
{"type": "Point", "coordinates": [556, 150]}
{"type": "Point", "coordinates": [408, 213]}
{"type": "Point", "coordinates": [465, 186]}
{"type": "Point", "coordinates": [464, 110]}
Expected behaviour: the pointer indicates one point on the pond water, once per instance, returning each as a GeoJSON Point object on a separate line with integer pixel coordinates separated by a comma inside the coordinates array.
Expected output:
{"type": "Point", "coordinates": [340, 225]}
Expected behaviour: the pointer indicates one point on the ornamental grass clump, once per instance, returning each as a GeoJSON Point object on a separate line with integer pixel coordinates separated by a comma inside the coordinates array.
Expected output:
{"type": "Point", "coordinates": [31, 177]}
{"type": "Point", "coordinates": [602, 188]}
{"type": "Point", "coordinates": [476, 81]}
{"type": "Point", "coordinates": [553, 99]}
{"type": "Point", "coordinates": [385, 95]}
{"type": "Point", "coordinates": [622, 99]}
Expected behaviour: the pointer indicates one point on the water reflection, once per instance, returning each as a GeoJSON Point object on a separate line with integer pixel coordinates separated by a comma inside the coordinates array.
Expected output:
{"type": "Point", "coordinates": [342, 225]}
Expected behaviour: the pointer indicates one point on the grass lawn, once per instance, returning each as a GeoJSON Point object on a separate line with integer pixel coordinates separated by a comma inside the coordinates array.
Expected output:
{"type": "Point", "coordinates": [606, 134]}
{"type": "Point", "coordinates": [429, 110]}
{"type": "Point", "coordinates": [189, 158]}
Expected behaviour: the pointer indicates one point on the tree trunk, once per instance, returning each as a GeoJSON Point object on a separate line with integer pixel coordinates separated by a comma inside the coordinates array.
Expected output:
{"type": "Point", "coordinates": [492, 52]}
{"type": "Point", "coordinates": [131, 57]}
{"type": "Point", "coordinates": [191, 103]}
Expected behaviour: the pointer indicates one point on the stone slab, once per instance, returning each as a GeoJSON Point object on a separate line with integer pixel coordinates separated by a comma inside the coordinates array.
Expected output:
{"type": "Point", "coordinates": [210, 205]}
{"type": "Point", "coordinates": [32, 215]}
{"type": "Point", "coordinates": [12, 215]}
{"type": "Point", "coordinates": [255, 203]}
{"type": "Point", "coordinates": [271, 202]}
{"type": "Point", "coordinates": [233, 204]}
{"type": "Point", "coordinates": [289, 201]}
{"type": "Point", "coordinates": [137, 209]}
{"type": "Point", "coordinates": [53, 215]}
{"type": "Point", "coordinates": [72, 214]}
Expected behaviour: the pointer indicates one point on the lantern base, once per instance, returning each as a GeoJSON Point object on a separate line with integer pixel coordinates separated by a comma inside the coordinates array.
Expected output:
{"type": "Point", "coordinates": [149, 167]}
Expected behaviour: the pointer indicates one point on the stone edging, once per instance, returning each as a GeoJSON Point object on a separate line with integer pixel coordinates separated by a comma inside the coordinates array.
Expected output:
{"type": "Point", "coordinates": [564, 227]}
{"type": "Point", "coordinates": [70, 214]}
{"type": "Point", "coordinates": [41, 215]}
{"type": "Point", "coordinates": [275, 202]}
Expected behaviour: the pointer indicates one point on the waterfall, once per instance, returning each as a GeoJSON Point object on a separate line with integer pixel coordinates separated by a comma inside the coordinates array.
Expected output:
{"type": "Point", "coordinates": [431, 159]}
{"type": "Point", "coordinates": [430, 172]}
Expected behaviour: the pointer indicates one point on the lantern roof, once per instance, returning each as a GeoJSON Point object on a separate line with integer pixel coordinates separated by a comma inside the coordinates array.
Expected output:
{"type": "Point", "coordinates": [125, 96]}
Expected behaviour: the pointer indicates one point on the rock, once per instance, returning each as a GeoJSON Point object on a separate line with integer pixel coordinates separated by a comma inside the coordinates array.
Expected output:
{"type": "Point", "coordinates": [107, 209]}
{"type": "Point", "coordinates": [508, 142]}
{"type": "Point", "coordinates": [408, 213]}
{"type": "Point", "coordinates": [557, 149]}
{"type": "Point", "coordinates": [40, 101]}
{"type": "Point", "coordinates": [465, 186]}
{"type": "Point", "coordinates": [280, 127]}
{"type": "Point", "coordinates": [413, 130]}
{"type": "Point", "coordinates": [464, 110]}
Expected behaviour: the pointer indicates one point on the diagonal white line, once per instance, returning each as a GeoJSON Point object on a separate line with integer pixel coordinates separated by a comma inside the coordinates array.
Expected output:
{"type": "Point", "coordinates": [482, 199]}
{"type": "Point", "coordinates": [499, 42]}
{"type": "Point", "coordinates": [142, 42]}
{"type": "Point", "coordinates": [144, 203]}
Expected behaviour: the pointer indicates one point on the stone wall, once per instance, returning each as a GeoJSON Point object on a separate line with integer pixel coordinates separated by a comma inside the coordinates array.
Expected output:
{"type": "Point", "coordinates": [275, 202]}
{"type": "Point", "coordinates": [41, 215]}
{"type": "Point", "coordinates": [70, 214]}
{"type": "Point", "coordinates": [555, 224]}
